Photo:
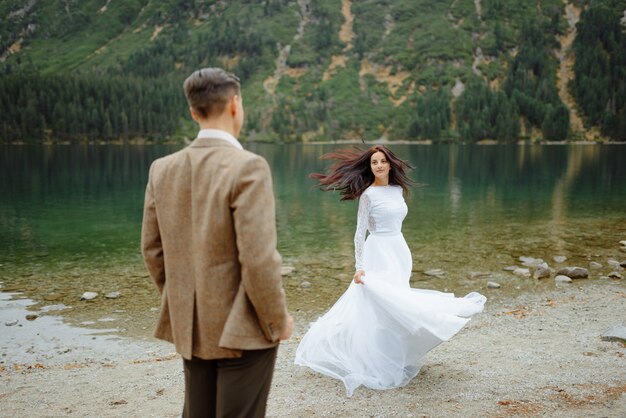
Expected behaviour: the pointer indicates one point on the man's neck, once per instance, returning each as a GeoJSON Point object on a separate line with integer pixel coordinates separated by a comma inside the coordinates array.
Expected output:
{"type": "Point", "coordinates": [217, 125]}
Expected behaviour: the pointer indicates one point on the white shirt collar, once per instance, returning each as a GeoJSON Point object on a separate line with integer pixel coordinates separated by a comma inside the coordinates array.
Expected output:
{"type": "Point", "coordinates": [219, 134]}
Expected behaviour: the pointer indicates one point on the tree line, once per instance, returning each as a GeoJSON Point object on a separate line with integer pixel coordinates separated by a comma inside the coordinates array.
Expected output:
{"type": "Point", "coordinates": [141, 96]}
{"type": "Point", "coordinates": [37, 108]}
{"type": "Point", "coordinates": [600, 68]}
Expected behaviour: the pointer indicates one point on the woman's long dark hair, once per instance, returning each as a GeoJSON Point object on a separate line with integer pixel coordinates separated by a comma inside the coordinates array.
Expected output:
{"type": "Point", "coordinates": [352, 173]}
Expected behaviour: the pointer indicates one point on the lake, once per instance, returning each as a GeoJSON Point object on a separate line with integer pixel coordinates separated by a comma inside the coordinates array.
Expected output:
{"type": "Point", "coordinates": [70, 220]}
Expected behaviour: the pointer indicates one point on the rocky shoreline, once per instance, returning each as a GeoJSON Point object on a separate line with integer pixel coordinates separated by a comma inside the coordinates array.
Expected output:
{"type": "Point", "coordinates": [539, 354]}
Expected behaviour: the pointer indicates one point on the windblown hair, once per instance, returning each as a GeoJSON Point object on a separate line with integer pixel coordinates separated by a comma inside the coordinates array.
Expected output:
{"type": "Point", "coordinates": [352, 173]}
{"type": "Point", "coordinates": [208, 90]}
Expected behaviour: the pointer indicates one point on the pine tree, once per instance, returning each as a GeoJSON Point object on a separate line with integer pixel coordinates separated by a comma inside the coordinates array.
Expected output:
{"type": "Point", "coordinates": [599, 86]}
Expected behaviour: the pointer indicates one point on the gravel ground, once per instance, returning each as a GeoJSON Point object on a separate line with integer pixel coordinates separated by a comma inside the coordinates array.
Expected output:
{"type": "Point", "coordinates": [534, 355]}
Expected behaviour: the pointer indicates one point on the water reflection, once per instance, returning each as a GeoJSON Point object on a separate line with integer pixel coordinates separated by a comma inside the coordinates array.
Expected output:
{"type": "Point", "coordinates": [70, 218]}
{"type": "Point", "coordinates": [577, 158]}
{"type": "Point", "coordinates": [46, 340]}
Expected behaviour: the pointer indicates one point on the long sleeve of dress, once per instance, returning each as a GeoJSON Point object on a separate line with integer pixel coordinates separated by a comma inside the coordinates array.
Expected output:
{"type": "Point", "coordinates": [361, 228]}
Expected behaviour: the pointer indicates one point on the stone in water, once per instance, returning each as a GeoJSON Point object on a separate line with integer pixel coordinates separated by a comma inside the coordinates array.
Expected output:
{"type": "Point", "coordinates": [562, 279]}
{"type": "Point", "coordinates": [542, 271]}
{"type": "Point", "coordinates": [52, 297]}
{"type": "Point", "coordinates": [530, 261]}
{"type": "Point", "coordinates": [615, 333]}
{"type": "Point", "coordinates": [479, 275]}
{"type": "Point", "coordinates": [521, 272]}
{"type": "Point", "coordinates": [286, 270]}
{"type": "Point", "coordinates": [574, 272]}
{"type": "Point", "coordinates": [89, 296]}
{"type": "Point", "coordinates": [595, 265]}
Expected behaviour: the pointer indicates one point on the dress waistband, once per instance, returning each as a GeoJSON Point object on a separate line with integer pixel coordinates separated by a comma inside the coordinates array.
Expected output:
{"type": "Point", "coordinates": [386, 233]}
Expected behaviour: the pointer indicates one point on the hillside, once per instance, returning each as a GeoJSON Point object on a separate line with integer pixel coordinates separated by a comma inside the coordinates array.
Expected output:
{"type": "Point", "coordinates": [461, 70]}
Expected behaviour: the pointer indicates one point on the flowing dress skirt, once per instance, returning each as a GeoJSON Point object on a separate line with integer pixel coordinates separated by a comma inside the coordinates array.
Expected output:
{"type": "Point", "coordinates": [378, 333]}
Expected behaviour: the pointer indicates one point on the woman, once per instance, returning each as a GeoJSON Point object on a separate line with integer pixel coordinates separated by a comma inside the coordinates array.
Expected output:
{"type": "Point", "coordinates": [379, 331]}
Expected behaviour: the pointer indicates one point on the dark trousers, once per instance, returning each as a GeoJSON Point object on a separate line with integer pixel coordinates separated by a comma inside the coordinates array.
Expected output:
{"type": "Point", "coordinates": [232, 387]}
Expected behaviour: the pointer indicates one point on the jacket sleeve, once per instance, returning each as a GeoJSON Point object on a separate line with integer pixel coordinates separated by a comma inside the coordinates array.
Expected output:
{"type": "Point", "coordinates": [151, 247]}
{"type": "Point", "coordinates": [252, 203]}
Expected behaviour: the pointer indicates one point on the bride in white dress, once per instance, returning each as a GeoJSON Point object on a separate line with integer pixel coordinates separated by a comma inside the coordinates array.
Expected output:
{"type": "Point", "coordinates": [380, 329]}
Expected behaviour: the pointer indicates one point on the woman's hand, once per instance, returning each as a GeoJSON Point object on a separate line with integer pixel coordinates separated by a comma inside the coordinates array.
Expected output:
{"type": "Point", "coordinates": [357, 276]}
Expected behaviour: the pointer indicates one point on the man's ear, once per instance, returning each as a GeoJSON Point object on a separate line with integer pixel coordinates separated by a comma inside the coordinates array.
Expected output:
{"type": "Point", "coordinates": [232, 105]}
{"type": "Point", "coordinates": [194, 115]}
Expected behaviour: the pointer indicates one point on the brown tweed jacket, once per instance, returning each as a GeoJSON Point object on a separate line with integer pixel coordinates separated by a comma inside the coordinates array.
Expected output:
{"type": "Point", "coordinates": [209, 243]}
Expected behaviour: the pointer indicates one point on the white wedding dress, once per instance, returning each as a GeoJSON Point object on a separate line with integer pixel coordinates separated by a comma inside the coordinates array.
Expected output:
{"type": "Point", "coordinates": [378, 333]}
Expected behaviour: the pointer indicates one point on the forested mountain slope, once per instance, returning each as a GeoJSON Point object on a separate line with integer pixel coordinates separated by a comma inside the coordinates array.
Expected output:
{"type": "Point", "coordinates": [443, 70]}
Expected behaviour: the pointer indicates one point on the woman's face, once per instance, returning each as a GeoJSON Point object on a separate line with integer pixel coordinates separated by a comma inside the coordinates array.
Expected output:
{"type": "Point", "coordinates": [380, 165]}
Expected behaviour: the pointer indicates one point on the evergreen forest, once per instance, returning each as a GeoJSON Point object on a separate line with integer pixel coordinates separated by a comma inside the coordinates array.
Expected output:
{"type": "Point", "coordinates": [317, 70]}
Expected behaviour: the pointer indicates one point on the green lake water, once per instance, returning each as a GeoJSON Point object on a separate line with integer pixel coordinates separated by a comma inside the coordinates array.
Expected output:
{"type": "Point", "coordinates": [70, 220]}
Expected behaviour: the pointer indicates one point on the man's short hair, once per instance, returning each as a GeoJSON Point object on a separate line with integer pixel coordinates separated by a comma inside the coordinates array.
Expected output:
{"type": "Point", "coordinates": [208, 90]}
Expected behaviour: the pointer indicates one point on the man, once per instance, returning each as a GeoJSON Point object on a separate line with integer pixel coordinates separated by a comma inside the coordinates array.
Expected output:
{"type": "Point", "coordinates": [209, 243]}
